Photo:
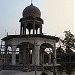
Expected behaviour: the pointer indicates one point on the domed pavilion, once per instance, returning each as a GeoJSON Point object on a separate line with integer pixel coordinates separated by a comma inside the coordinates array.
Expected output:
{"type": "Point", "coordinates": [31, 47]}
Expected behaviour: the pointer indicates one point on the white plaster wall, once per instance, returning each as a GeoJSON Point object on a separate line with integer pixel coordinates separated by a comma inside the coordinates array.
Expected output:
{"type": "Point", "coordinates": [38, 41]}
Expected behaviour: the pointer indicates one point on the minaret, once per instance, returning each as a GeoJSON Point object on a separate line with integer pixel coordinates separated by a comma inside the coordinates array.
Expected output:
{"type": "Point", "coordinates": [31, 21]}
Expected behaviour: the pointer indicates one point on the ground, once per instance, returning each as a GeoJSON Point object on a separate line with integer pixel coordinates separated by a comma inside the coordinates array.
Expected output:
{"type": "Point", "coordinates": [16, 72]}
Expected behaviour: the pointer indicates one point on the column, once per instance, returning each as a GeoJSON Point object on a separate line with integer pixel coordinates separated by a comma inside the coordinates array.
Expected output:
{"type": "Point", "coordinates": [25, 28]}
{"type": "Point", "coordinates": [36, 31]}
{"type": "Point", "coordinates": [0, 58]}
{"type": "Point", "coordinates": [29, 32]}
{"type": "Point", "coordinates": [20, 55]}
{"type": "Point", "coordinates": [43, 53]}
{"type": "Point", "coordinates": [33, 57]}
{"type": "Point", "coordinates": [5, 57]}
{"type": "Point", "coordinates": [49, 58]}
{"type": "Point", "coordinates": [21, 30]}
{"type": "Point", "coordinates": [41, 29]}
{"type": "Point", "coordinates": [13, 55]}
{"type": "Point", "coordinates": [37, 55]}
{"type": "Point", "coordinates": [54, 54]}
{"type": "Point", "coordinates": [54, 62]}
{"type": "Point", "coordinates": [24, 56]}
{"type": "Point", "coordinates": [8, 57]}
{"type": "Point", "coordinates": [34, 27]}
{"type": "Point", "coordinates": [20, 58]}
{"type": "Point", "coordinates": [41, 56]}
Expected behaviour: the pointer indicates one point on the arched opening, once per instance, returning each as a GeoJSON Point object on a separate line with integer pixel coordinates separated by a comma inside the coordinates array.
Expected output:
{"type": "Point", "coordinates": [25, 51]}
{"type": "Point", "coordinates": [46, 53]}
{"type": "Point", "coordinates": [8, 54]}
{"type": "Point", "coordinates": [17, 55]}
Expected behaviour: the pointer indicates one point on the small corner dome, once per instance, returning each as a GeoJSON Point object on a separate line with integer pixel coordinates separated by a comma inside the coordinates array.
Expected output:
{"type": "Point", "coordinates": [31, 11]}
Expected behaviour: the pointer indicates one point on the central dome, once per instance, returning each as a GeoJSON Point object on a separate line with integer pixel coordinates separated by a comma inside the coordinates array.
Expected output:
{"type": "Point", "coordinates": [31, 11]}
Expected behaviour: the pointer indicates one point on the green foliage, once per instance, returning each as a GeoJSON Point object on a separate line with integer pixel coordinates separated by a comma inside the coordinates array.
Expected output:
{"type": "Point", "coordinates": [68, 42]}
{"type": "Point", "coordinates": [68, 50]}
{"type": "Point", "coordinates": [69, 39]}
{"type": "Point", "coordinates": [59, 50]}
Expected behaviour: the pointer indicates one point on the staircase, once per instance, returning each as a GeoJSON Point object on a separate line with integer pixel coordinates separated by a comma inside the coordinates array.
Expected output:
{"type": "Point", "coordinates": [21, 67]}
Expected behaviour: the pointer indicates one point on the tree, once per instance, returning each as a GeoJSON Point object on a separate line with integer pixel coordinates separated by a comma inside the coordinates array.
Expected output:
{"type": "Point", "coordinates": [59, 50]}
{"type": "Point", "coordinates": [68, 42]}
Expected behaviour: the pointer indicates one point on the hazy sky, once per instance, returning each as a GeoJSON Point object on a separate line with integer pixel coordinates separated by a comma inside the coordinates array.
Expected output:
{"type": "Point", "coordinates": [58, 15]}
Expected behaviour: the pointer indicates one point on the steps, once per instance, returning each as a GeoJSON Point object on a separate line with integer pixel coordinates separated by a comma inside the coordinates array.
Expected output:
{"type": "Point", "coordinates": [21, 67]}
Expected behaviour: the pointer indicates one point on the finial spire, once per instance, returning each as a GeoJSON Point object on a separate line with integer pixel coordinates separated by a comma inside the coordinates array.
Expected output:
{"type": "Point", "coordinates": [31, 2]}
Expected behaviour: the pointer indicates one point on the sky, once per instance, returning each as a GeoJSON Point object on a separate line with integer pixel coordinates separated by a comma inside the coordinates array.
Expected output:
{"type": "Point", "coordinates": [58, 16]}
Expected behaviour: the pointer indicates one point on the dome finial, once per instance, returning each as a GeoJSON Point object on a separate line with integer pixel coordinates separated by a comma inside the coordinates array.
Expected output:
{"type": "Point", "coordinates": [31, 2]}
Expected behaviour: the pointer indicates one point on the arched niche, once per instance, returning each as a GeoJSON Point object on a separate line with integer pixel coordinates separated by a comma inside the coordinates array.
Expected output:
{"type": "Point", "coordinates": [25, 51]}
{"type": "Point", "coordinates": [7, 54]}
{"type": "Point", "coordinates": [46, 51]}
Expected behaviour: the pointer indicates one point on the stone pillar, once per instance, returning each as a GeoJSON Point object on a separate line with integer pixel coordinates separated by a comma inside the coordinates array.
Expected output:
{"type": "Point", "coordinates": [37, 55]}
{"type": "Point", "coordinates": [25, 28]}
{"type": "Point", "coordinates": [33, 57]}
{"type": "Point", "coordinates": [43, 53]}
{"type": "Point", "coordinates": [21, 29]}
{"type": "Point", "coordinates": [5, 57]}
{"type": "Point", "coordinates": [49, 58]}
{"type": "Point", "coordinates": [13, 55]}
{"type": "Point", "coordinates": [41, 56]}
{"type": "Point", "coordinates": [54, 55]}
{"type": "Point", "coordinates": [34, 27]}
{"type": "Point", "coordinates": [0, 59]}
{"type": "Point", "coordinates": [41, 29]}
{"type": "Point", "coordinates": [21, 56]}
{"type": "Point", "coordinates": [54, 62]}
{"type": "Point", "coordinates": [24, 57]}
{"type": "Point", "coordinates": [29, 32]}
{"type": "Point", "coordinates": [36, 31]}
{"type": "Point", "coordinates": [8, 57]}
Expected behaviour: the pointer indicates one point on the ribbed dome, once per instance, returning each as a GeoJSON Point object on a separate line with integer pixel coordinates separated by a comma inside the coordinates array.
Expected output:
{"type": "Point", "coordinates": [31, 11]}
